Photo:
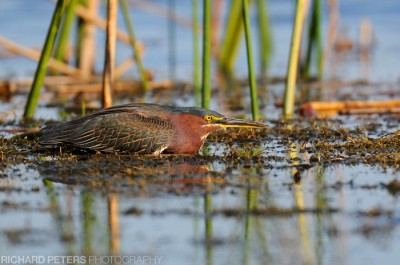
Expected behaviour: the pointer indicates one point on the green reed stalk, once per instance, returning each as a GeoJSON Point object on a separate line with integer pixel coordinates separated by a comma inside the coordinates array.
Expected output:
{"type": "Point", "coordinates": [61, 51]}
{"type": "Point", "coordinates": [206, 86]}
{"type": "Point", "coordinates": [288, 107]}
{"type": "Point", "coordinates": [231, 42]}
{"type": "Point", "coordinates": [138, 58]}
{"type": "Point", "coordinates": [196, 56]}
{"type": "Point", "coordinates": [252, 79]}
{"type": "Point", "coordinates": [264, 34]}
{"type": "Point", "coordinates": [44, 59]}
{"type": "Point", "coordinates": [318, 38]}
{"type": "Point", "coordinates": [314, 42]}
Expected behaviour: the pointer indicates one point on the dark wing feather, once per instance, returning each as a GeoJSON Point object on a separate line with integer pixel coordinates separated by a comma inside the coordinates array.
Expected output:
{"type": "Point", "coordinates": [113, 132]}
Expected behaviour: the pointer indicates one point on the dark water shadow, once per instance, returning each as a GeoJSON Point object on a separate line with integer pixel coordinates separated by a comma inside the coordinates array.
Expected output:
{"type": "Point", "coordinates": [150, 174]}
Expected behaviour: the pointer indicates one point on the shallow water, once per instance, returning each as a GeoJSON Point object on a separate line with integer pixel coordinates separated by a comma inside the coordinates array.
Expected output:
{"type": "Point", "coordinates": [221, 207]}
{"type": "Point", "coordinates": [168, 218]}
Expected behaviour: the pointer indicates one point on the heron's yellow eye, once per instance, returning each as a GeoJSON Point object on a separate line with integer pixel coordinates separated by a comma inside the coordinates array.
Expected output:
{"type": "Point", "coordinates": [208, 118]}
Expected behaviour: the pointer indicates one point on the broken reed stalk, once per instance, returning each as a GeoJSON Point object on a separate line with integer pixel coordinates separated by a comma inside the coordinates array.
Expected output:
{"type": "Point", "coordinates": [44, 59]}
{"type": "Point", "coordinates": [264, 34]}
{"type": "Point", "coordinates": [252, 79]}
{"type": "Point", "coordinates": [196, 57]}
{"type": "Point", "coordinates": [232, 38]}
{"type": "Point", "coordinates": [290, 88]}
{"type": "Point", "coordinates": [61, 50]}
{"type": "Point", "coordinates": [137, 55]}
{"type": "Point", "coordinates": [108, 74]}
{"type": "Point", "coordinates": [206, 86]}
{"type": "Point", "coordinates": [314, 43]}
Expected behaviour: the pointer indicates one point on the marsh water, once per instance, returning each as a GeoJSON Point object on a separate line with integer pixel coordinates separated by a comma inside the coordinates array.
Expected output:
{"type": "Point", "coordinates": [300, 192]}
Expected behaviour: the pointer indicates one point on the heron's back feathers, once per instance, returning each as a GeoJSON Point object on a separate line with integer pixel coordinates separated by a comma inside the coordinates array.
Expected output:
{"type": "Point", "coordinates": [115, 129]}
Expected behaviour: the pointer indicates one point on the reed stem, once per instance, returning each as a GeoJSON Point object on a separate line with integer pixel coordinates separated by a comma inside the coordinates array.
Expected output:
{"type": "Point", "coordinates": [264, 34]}
{"type": "Point", "coordinates": [137, 56]}
{"type": "Point", "coordinates": [290, 89]}
{"type": "Point", "coordinates": [318, 38]}
{"type": "Point", "coordinates": [252, 79]}
{"type": "Point", "coordinates": [196, 56]}
{"type": "Point", "coordinates": [61, 51]}
{"type": "Point", "coordinates": [314, 43]}
{"type": "Point", "coordinates": [44, 59]}
{"type": "Point", "coordinates": [80, 33]}
{"type": "Point", "coordinates": [206, 87]}
{"type": "Point", "coordinates": [232, 38]}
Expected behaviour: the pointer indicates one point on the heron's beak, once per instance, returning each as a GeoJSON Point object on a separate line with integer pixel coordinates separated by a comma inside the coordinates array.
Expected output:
{"type": "Point", "coordinates": [230, 122]}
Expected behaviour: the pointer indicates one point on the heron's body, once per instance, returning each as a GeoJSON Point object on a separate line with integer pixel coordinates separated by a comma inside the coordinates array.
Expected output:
{"type": "Point", "coordinates": [140, 128]}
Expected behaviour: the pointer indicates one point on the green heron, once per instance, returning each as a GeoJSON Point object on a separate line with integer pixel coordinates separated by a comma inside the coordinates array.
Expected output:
{"type": "Point", "coordinates": [142, 128]}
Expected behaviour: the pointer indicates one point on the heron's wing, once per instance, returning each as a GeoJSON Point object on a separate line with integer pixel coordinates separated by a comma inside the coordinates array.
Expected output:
{"type": "Point", "coordinates": [113, 132]}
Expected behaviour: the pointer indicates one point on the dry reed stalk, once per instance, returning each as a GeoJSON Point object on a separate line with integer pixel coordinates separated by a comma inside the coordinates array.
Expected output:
{"type": "Point", "coordinates": [216, 26]}
{"type": "Point", "coordinates": [120, 86]}
{"type": "Point", "coordinates": [108, 75]}
{"type": "Point", "coordinates": [82, 12]}
{"type": "Point", "coordinates": [318, 108]}
{"type": "Point", "coordinates": [88, 45]}
{"type": "Point", "coordinates": [14, 87]}
{"type": "Point", "coordinates": [20, 130]}
{"type": "Point", "coordinates": [35, 55]}
{"type": "Point", "coordinates": [123, 67]}
{"type": "Point", "coordinates": [293, 64]}
{"type": "Point", "coordinates": [332, 28]}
